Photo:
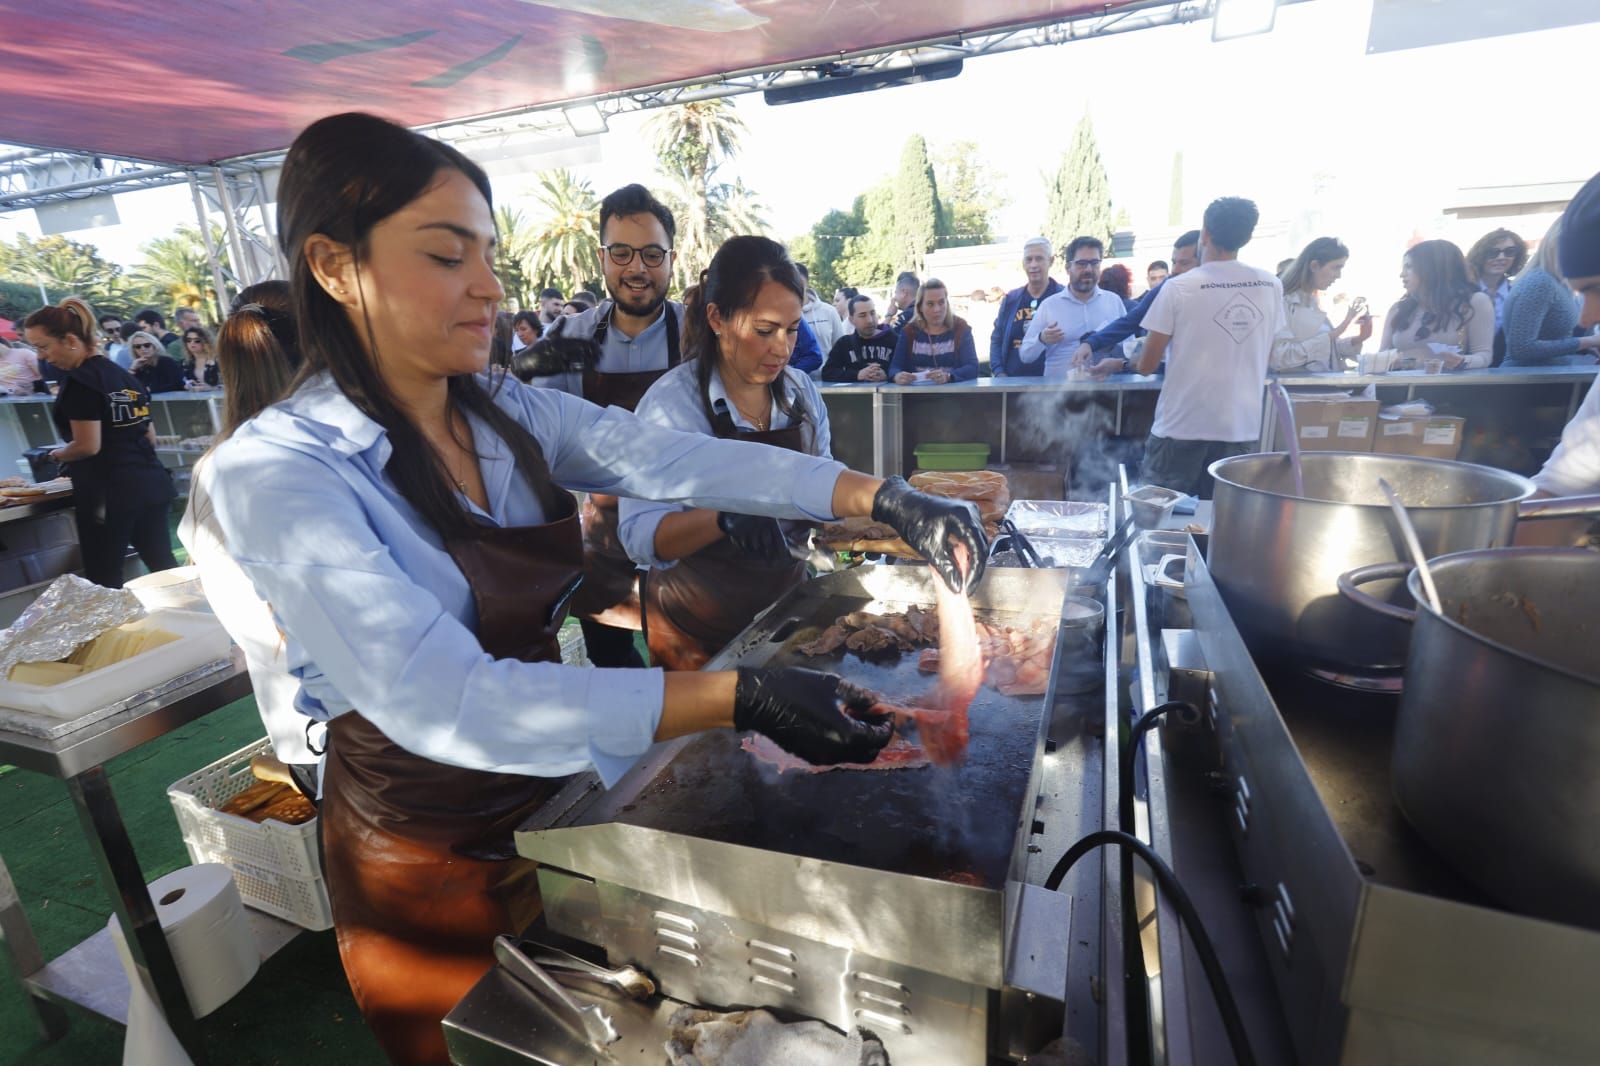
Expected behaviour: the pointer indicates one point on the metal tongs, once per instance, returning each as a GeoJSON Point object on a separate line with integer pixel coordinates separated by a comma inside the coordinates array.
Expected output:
{"type": "Point", "coordinates": [587, 1021]}
{"type": "Point", "coordinates": [819, 559]}
{"type": "Point", "coordinates": [1100, 569]}
{"type": "Point", "coordinates": [1021, 544]}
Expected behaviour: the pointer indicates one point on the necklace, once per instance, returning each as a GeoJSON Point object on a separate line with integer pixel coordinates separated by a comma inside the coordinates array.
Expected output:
{"type": "Point", "coordinates": [759, 423]}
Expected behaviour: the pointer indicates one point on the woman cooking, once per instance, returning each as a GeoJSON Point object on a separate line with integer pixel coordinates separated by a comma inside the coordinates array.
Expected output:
{"type": "Point", "coordinates": [121, 493]}
{"type": "Point", "coordinates": [407, 518]}
{"type": "Point", "coordinates": [717, 569]}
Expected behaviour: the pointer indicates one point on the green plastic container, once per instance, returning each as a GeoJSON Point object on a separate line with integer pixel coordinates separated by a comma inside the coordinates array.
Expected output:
{"type": "Point", "coordinates": [952, 456]}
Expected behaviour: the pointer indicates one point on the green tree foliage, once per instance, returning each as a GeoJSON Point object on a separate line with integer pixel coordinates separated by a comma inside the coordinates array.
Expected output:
{"type": "Point", "coordinates": [917, 211]}
{"type": "Point", "coordinates": [65, 267]}
{"type": "Point", "coordinates": [511, 255]}
{"type": "Point", "coordinates": [175, 271]}
{"type": "Point", "coordinates": [822, 248]}
{"type": "Point", "coordinates": [564, 248]}
{"type": "Point", "coordinates": [692, 143]}
{"type": "Point", "coordinates": [969, 193]}
{"type": "Point", "coordinates": [873, 258]}
{"type": "Point", "coordinates": [1078, 195]}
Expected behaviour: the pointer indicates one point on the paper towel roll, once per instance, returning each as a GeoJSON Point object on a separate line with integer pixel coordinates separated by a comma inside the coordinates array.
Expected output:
{"type": "Point", "coordinates": [208, 932]}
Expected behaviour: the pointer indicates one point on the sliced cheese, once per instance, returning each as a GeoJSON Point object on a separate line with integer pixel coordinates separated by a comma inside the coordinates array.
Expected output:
{"type": "Point", "coordinates": [116, 645]}
{"type": "Point", "coordinates": [44, 673]}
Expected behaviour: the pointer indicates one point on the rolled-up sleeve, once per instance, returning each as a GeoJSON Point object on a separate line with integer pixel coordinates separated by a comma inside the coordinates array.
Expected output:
{"type": "Point", "coordinates": [386, 645]}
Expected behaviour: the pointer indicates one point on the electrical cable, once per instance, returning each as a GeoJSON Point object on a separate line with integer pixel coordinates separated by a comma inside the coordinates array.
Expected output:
{"type": "Point", "coordinates": [1238, 1039]}
{"type": "Point", "coordinates": [1142, 726]}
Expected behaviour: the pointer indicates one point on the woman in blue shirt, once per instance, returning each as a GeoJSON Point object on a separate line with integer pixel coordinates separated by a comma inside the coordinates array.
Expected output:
{"type": "Point", "coordinates": [714, 570]}
{"type": "Point", "coordinates": [407, 517]}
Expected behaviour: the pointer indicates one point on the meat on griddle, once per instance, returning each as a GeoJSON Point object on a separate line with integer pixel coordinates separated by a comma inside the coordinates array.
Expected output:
{"type": "Point", "coordinates": [827, 642]}
{"type": "Point", "coordinates": [872, 642]}
{"type": "Point", "coordinates": [898, 754]}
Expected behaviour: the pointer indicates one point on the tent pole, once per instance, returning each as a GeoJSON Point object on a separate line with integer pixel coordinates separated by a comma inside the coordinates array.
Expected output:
{"type": "Point", "coordinates": [211, 251]}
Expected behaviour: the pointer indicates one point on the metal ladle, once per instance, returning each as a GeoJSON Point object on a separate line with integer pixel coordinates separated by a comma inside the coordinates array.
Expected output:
{"type": "Point", "coordinates": [1409, 532]}
{"type": "Point", "coordinates": [1280, 400]}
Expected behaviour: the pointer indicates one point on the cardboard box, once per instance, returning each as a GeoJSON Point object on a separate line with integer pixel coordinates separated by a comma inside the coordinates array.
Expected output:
{"type": "Point", "coordinates": [1428, 436]}
{"type": "Point", "coordinates": [1335, 423]}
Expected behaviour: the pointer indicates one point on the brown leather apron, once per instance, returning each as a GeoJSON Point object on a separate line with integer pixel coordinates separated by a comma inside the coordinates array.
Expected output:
{"type": "Point", "coordinates": [420, 865]}
{"type": "Point", "coordinates": [610, 592]}
{"type": "Point", "coordinates": [693, 609]}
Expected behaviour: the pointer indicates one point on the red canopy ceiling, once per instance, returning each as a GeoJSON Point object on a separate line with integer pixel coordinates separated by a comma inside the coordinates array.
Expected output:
{"type": "Point", "coordinates": [186, 81]}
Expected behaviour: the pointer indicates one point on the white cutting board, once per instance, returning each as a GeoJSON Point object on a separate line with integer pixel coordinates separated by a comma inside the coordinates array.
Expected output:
{"type": "Point", "coordinates": [201, 640]}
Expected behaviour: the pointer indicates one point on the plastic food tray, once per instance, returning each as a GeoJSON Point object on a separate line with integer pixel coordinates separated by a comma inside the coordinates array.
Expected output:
{"type": "Point", "coordinates": [274, 865]}
{"type": "Point", "coordinates": [1058, 518]}
{"type": "Point", "coordinates": [201, 640]}
{"type": "Point", "coordinates": [952, 456]}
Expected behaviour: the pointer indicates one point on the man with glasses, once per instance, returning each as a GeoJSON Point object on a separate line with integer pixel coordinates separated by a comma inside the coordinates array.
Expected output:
{"type": "Point", "coordinates": [1067, 317]}
{"type": "Point", "coordinates": [1017, 310]}
{"type": "Point", "coordinates": [610, 354]}
{"type": "Point", "coordinates": [1101, 351]}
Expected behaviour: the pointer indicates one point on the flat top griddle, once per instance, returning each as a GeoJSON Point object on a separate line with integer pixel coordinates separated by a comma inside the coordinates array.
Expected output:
{"type": "Point", "coordinates": [946, 823]}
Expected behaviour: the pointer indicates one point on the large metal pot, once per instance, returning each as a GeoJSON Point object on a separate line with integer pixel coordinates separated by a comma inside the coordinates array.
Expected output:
{"type": "Point", "coordinates": [1498, 737]}
{"type": "Point", "coordinates": [1277, 556]}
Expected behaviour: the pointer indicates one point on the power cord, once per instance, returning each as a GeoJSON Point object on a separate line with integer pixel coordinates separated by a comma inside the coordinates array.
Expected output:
{"type": "Point", "coordinates": [1143, 725]}
{"type": "Point", "coordinates": [1231, 1020]}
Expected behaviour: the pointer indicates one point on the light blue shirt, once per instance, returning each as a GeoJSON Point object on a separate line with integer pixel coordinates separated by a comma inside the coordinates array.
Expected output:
{"type": "Point", "coordinates": [1075, 317]}
{"type": "Point", "coordinates": [378, 617]}
{"type": "Point", "coordinates": [674, 402]}
{"type": "Point", "coordinates": [619, 353]}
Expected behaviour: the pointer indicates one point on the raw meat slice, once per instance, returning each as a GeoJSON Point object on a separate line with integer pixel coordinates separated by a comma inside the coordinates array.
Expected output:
{"type": "Point", "coordinates": [828, 641]}
{"type": "Point", "coordinates": [960, 670]}
{"type": "Point", "coordinates": [898, 754]}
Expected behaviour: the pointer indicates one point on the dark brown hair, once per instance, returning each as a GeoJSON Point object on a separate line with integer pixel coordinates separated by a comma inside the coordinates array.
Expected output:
{"type": "Point", "coordinates": [736, 274]}
{"type": "Point", "coordinates": [72, 317]}
{"type": "Point", "coordinates": [258, 352]}
{"type": "Point", "coordinates": [1446, 290]}
{"type": "Point", "coordinates": [342, 176]}
{"type": "Point", "coordinates": [1478, 254]}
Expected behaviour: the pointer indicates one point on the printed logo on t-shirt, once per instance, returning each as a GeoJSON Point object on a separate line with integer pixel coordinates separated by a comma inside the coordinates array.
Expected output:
{"type": "Point", "coordinates": [1238, 317]}
{"type": "Point", "coordinates": [1023, 318]}
{"type": "Point", "coordinates": [129, 408]}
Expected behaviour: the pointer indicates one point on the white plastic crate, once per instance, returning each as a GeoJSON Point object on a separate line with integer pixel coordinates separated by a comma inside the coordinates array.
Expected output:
{"type": "Point", "coordinates": [274, 865]}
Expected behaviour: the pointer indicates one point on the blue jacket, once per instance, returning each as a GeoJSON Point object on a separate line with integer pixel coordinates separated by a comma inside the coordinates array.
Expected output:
{"type": "Point", "coordinates": [1108, 337]}
{"type": "Point", "coordinates": [807, 355]}
{"type": "Point", "coordinates": [1008, 332]}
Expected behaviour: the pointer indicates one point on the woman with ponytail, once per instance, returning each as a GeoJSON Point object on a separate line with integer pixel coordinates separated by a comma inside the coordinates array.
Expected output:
{"type": "Point", "coordinates": [120, 491]}
{"type": "Point", "coordinates": [258, 353]}
{"type": "Point", "coordinates": [406, 513]}
{"type": "Point", "coordinates": [714, 570]}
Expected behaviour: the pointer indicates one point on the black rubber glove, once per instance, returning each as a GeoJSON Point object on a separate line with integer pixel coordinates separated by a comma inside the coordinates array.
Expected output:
{"type": "Point", "coordinates": [803, 711]}
{"type": "Point", "coordinates": [932, 526]}
{"type": "Point", "coordinates": [757, 536]}
{"type": "Point", "coordinates": [554, 355]}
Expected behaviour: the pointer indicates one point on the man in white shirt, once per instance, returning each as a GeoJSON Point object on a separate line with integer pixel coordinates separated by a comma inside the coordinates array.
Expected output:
{"type": "Point", "coordinates": [821, 317]}
{"type": "Point", "coordinates": [1073, 313]}
{"type": "Point", "coordinates": [1214, 325]}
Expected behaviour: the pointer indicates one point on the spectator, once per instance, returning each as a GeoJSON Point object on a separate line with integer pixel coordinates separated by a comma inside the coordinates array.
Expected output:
{"type": "Point", "coordinates": [1099, 351]}
{"type": "Point", "coordinates": [19, 371]}
{"type": "Point", "coordinates": [156, 370]}
{"type": "Point", "coordinates": [581, 301]}
{"type": "Point", "coordinates": [864, 354]}
{"type": "Point", "coordinates": [200, 362]}
{"type": "Point", "coordinates": [935, 341]}
{"type": "Point", "coordinates": [1017, 308]}
{"type": "Point", "coordinates": [1496, 258]}
{"type": "Point", "coordinates": [1442, 315]}
{"type": "Point", "coordinates": [154, 323]}
{"type": "Point", "coordinates": [1215, 325]}
{"type": "Point", "coordinates": [115, 348]}
{"type": "Point", "coordinates": [1063, 320]}
{"type": "Point", "coordinates": [1156, 273]}
{"type": "Point", "coordinates": [1541, 318]}
{"type": "Point", "coordinates": [825, 322]}
{"type": "Point", "coordinates": [1309, 341]}
{"type": "Point", "coordinates": [185, 318]}
{"type": "Point", "coordinates": [1118, 279]}
{"type": "Point", "coordinates": [550, 303]}
{"type": "Point", "coordinates": [526, 327]}
{"type": "Point", "coordinates": [906, 287]}
{"type": "Point", "coordinates": [841, 302]}
{"type": "Point", "coordinates": [806, 356]}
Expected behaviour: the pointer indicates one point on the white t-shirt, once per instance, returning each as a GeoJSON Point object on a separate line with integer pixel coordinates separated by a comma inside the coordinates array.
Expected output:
{"type": "Point", "coordinates": [1222, 318]}
{"type": "Point", "coordinates": [1573, 469]}
{"type": "Point", "coordinates": [248, 620]}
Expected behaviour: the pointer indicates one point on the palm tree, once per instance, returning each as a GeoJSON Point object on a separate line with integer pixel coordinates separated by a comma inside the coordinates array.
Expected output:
{"type": "Point", "coordinates": [61, 266]}
{"type": "Point", "coordinates": [565, 243]}
{"type": "Point", "coordinates": [516, 245]}
{"type": "Point", "coordinates": [176, 271]}
{"type": "Point", "coordinates": [691, 141]}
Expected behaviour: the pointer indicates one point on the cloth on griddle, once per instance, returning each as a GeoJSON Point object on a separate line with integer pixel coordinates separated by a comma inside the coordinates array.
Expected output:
{"type": "Point", "coordinates": [70, 612]}
{"type": "Point", "coordinates": [757, 1038]}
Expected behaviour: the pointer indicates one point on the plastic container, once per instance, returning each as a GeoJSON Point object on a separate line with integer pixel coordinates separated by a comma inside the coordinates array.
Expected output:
{"type": "Point", "coordinates": [175, 589]}
{"type": "Point", "coordinates": [274, 865]}
{"type": "Point", "coordinates": [952, 456]}
{"type": "Point", "coordinates": [201, 640]}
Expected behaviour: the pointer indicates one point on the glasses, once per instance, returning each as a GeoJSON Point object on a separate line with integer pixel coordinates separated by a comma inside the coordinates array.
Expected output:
{"type": "Point", "coordinates": [622, 254]}
{"type": "Point", "coordinates": [1084, 264]}
{"type": "Point", "coordinates": [143, 347]}
{"type": "Point", "coordinates": [1503, 253]}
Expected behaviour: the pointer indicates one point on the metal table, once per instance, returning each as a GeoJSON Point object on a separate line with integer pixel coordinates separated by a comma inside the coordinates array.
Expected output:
{"type": "Point", "coordinates": [79, 759]}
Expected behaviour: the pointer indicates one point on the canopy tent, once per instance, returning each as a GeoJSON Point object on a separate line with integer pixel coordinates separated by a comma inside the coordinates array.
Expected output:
{"type": "Point", "coordinates": [190, 82]}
